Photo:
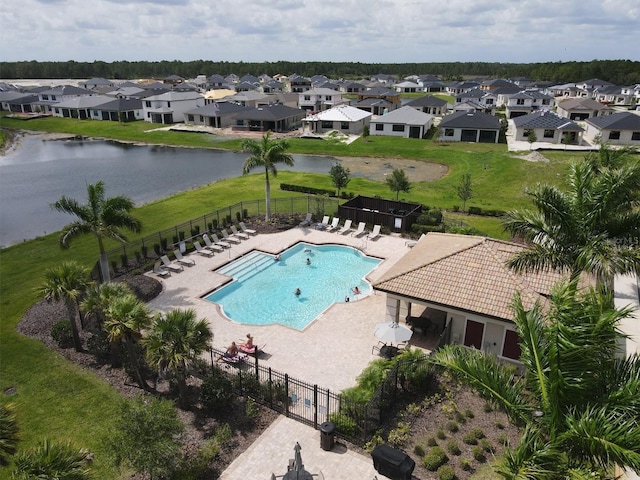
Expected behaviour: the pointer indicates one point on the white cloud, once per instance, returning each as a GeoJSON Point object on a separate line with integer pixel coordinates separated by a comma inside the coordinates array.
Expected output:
{"type": "Point", "coordinates": [320, 30]}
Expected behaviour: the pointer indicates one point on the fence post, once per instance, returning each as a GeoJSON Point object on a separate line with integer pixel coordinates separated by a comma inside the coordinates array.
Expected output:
{"type": "Point", "coordinates": [211, 354]}
{"type": "Point", "coordinates": [270, 389]}
{"type": "Point", "coordinates": [315, 404]}
{"type": "Point", "coordinates": [286, 394]}
{"type": "Point", "coordinates": [256, 364]}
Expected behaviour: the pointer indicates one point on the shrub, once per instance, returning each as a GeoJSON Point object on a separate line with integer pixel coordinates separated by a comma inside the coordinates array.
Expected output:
{"type": "Point", "coordinates": [468, 413]}
{"type": "Point", "coordinates": [195, 231]}
{"type": "Point", "coordinates": [62, 333]}
{"type": "Point", "coordinates": [486, 445]}
{"type": "Point", "coordinates": [138, 256]}
{"type": "Point", "coordinates": [399, 436]}
{"type": "Point", "coordinates": [445, 472]}
{"type": "Point", "coordinates": [251, 410]}
{"type": "Point", "coordinates": [441, 435]}
{"type": "Point", "coordinates": [460, 418]}
{"type": "Point", "coordinates": [453, 448]}
{"type": "Point", "coordinates": [470, 438]}
{"type": "Point", "coordinates": [305, 189]}
{"type": "Point", "coordinates": [465, 464]}
{"type": "Point", "coordinates": [114, 265]}
{"type": "Point", "coordinates": [144, 250]}
{"type": "Point", "coordinates": [418, 450]}
{"type": "Point", "coordinates": [227, 219]}
{"type": "Point", "coordinates": [215, 393]}
{"type": "Point", "coordinates": [214, 224]}
{"type": "Point", "coordinates": [181, 235]}
{"type": "Point", "coordinates": [223, 434]}
{"type": "Point", "coordinates": [98, 345]}
{"type": "Point", "coordinates": [163, 243]}
{"type": "Point", "coordinates": [175, 239]}
{"type": "Point", "coordinates": [344, 424]}
{"type": "Point", "coordinates": [452, 426]}
{"type": "Point", "coordinates": [434, 459]}
{"type": "Point", "coordinates": [503, 440]}
{"type": "Point", "coordinates": [478, 454]}
{"type": "Point", "coordinates": [245, 213]}
{"type": "Point", "coordinates": [474, 211]}
{"type": "Point", "coordinates": [156, 249]}
{"type": "Point", "coordinates": [478, 433]}
{"type": "Point", "coordinates": [456, 208]}
{"type": "Point", "coordinates": [432, 442]}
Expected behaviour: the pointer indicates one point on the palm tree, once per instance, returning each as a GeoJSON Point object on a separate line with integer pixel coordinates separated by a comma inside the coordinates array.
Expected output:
{"type": "Point", "coordinates": [104, 217]}
{"type": "Point", "coordinates": [126, 318]}
{"type": "Point", "coordinates": [97, 302]}
{"type": "Point", "coordinates": [53, 461]}
{"type": "Point", "coordinates": [175, 342]}
{"type": "Point", "coordinates": [593, 227]}
{"type": "Point", "coordinates": [578, 403]}
{"type": "Point", "coordinates": [398, 182]}
{"type": "Point", "coordinates": [67, 282]}
{"type": "Point", "coordinates": [266, 153]}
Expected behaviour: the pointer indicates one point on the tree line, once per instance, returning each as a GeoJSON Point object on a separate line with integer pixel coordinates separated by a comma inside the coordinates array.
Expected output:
{"type": "Point", "coordinates": [619, 72]}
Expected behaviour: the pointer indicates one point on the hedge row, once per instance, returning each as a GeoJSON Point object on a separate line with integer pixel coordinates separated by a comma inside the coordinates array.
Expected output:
{"type": "Point", "coordinates": [486, 212]}
{"type": "Point", "coordinates": [310, 190]}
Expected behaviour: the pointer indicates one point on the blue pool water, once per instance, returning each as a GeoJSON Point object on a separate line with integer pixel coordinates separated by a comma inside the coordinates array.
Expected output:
{"type": "Point", "coordinates": [262, 292]}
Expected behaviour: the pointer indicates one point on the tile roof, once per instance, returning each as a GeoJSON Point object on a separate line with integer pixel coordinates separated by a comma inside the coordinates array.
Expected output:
{"type": "Point", "coordinates": [616, 121]}
{"type": "Point", "coordinates": [471, 119]}
{"type": "Point", "coordinates": [582, 104]}
{"type": "Point", "coordinates": [468, 273]}
{"type": "Point", "coordinates": [341, 113]}
{"type": "Point", "coordinates": [405, 115]}
{"type": "Point", "coordinates": [427, 101]}
{"type": "Point", "coordinates": [546, 119]}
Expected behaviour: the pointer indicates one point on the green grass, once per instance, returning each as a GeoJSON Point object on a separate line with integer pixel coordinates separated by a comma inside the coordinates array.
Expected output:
{"type": "Point", "coordinates": [56, 399]}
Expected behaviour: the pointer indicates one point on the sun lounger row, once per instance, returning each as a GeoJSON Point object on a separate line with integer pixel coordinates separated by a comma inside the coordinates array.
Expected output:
{"type": "Point", "coordinates": [347, 228]}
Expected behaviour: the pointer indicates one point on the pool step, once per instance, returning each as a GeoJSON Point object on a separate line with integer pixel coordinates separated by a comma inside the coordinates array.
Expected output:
{"type": "Point", "coordinates": [238, 264]}
{"type": "Point", "coordinates": [248, 266]}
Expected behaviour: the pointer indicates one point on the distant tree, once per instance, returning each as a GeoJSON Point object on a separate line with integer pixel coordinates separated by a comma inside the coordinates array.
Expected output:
{"type": "Point", "coordinates": [103, 217]}
{"type": "Point", "coordinates": [266, 153]}
{"type": "Point", "coordinates": [465, 190]}
{"type": "Point", "coordinates": [147, 437]}
{"type": "Point", "coordinates": [67, 282]}
{"type": "Point", "coordinates": [398, 182]}
{"type": "Point", "coordinates": [340, 176]}
{"type": "Point", "coordinates": [52, 460]}
{"type": "Point", "coordinates": [531, 137]}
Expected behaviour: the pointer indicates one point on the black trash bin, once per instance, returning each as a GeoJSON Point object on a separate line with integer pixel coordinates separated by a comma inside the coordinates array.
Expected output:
{"type": "Point", "coordinates": [392, 463]}
{"type": "Point", "coordinates": [327, 435]}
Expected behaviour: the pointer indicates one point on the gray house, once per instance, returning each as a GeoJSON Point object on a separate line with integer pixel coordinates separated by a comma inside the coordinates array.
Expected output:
{"type": "Point", "coordinates": [617, 129]}
{"type": "Point", "coordinates": [405, 122]}
{"type": "Point", "coordinates": [470, 127]}
{"type": "Point", "coordinates": [429, 104]}
{"type": "Point", "coordinates": [548, 127]}
{"type": "Point", "coordinates": [216, 115]}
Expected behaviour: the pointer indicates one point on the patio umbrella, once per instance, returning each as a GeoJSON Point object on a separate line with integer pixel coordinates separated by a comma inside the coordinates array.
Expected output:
{"type": "Point", "coordinates": [392, 332]}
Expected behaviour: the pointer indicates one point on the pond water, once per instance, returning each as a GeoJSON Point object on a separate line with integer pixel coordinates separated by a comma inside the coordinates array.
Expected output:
{"type": "Point", "coordinates": [39, 172]}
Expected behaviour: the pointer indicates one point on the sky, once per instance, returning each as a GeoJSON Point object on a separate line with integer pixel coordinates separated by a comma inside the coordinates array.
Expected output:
{"type": "Point", "coordinates": [367, 31]}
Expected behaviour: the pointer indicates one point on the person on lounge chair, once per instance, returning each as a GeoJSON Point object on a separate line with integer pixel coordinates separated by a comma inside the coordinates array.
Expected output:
{"type": "Point", "coordinates": [232, 351]}
{"type": "Point", "coordinates": [248, 346]}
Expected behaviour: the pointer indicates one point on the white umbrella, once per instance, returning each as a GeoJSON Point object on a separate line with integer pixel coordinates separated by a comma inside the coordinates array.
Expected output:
{"type": "Point", "coordinates": [392, 332]}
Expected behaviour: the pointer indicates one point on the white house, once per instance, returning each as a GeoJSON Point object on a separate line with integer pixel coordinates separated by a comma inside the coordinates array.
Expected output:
{"type": "Point", "coordinates": [405, 122]}
{"type": "Point", "coordinates": [528, 101]}
{"type": "Point", "coordinates": [343, 118]}
{"type": "Point", "coordinates": [548, 127]}
{"type": "Point", "coordinates": [621, 128]}
{"type": "Point", "coordinates": [320, 99]}
{"type": "Point", "coordinates": [170, 107]}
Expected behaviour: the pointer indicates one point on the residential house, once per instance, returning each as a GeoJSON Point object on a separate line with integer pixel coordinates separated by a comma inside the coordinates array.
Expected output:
{"type": "Point", "coordinates": [469, 127]}
{"type": "Point", "coordinates": [170, 107]}
{"type": "Point", "coordinates": [384, 79]}
{"type": "Point", "coordinates": [214, 114]}
{"type": "Point", "coordinates": [247, 87]}
{"type": "Point", "coordinates": [455, 88]}
{"type": "Point", "coordinates": [488, 100]}
{"type": "Point", "coordinates": [215, 95]}
{"type": "Point", "coordinates": [320, 99]}
{"type": "Point", "coordinates": [592, 84]}
{"type": "Point", "coordinates": [407, 87]}
{"type": "Point", "coordinates": [250, 98]}
{"type": "Point", "coordinates": [461, 286]}
{"type": "Point", "coordinates": [567, 90]}
{"type": "Point", "coordinates": [548, 127]}
{"type": "Point", "coordinates": [298, 83]}
{"type": "Point", "coordinates": [51, 96]}
{"type": "Point", "coordinates": [633, 92]}
{"type": "Point", "coordinates": [19, 101]}
{"type": "Point", "coordinates": [582, 108]}
{"type": "Point", "coordinates": [216, 81]}
{"type": "Point", "coordinates": [343, 118]}
{"type": "Point", "coordinates": [118, 110]}
{"type": "Point", "coordinates": [430, 83]}
{"type": "Point", "coordinates": [275, 117]}
{"type": "Point", "coordinates": [378, 100]}
{"type": "Point", "coordinates": [272, 86]}
{"type": "Point", "coordinates": [79, 107]}
{"type": "Point", "coordinates": [96, 83]}
{"type": "Point", "coordinates": [318, 80]}
{"type": "Point", "coordinates": [492, 84]}
{"type": "Point", "coordinates": [231, 80]}
{"type": "Point", "coordinates": [611, 95]}
{"type": "Point", "coordinates": [173, 80]}
{"type": "Point", "coordinates": [504, 94]}
{"type": "Point", "coordinates": [404, 122]}
{"type": "Point", "coordinates": [528, 101]}
{"type": "Point", "coordinates": [250, 79]}
{"type": "Point", "coordinates": [429, 104]}
{"type": "Point", "coordinates": [621, 128]}
{"type": "Point", "coordinates": [351, 87]}
{"type": "Point", "coordinates": [468, 106]}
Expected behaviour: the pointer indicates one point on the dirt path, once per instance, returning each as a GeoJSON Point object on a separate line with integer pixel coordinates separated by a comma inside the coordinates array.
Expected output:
{"type": "Point", "coordinates": [377, 168]}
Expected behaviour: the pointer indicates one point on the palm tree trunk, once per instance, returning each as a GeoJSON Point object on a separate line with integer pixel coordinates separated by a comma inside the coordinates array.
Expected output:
{"type": "Point", "coordinates": [133, 360]}
{"type": "Point", "coordinates": [72, 311]}
{"type": "Point", "coordinates": [104, 267]}
{"type": "Point", "coordinates": [267, 197]}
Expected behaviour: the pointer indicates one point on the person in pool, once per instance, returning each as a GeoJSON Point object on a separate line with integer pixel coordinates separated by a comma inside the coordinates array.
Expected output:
{"type": "Point", "coordinates": [297, 292]}
{"type": "Point", "coordinates": [356, 290]}
{"type": "Point", "coordinates": [308, 261]}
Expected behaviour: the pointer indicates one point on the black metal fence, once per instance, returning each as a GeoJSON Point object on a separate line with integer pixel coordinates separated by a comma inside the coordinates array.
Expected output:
{"type": "Point", "coordinates": [140, 254]}
{"type": "Point", "coordinates": [312, 405]}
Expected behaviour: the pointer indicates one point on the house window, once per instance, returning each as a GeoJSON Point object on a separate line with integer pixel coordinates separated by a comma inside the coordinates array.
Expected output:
{"type": "Point", "coordinates": [614, 135]}
{"type": "Point", "coordinates": [328, 97]}
{"type": "Point", "coordinates": [520, 101]}
{"type": "Point", "coordinates": [147, 104]}
{"type": "Point", "coordinates": [53, 97]}
{"type": "Point", "coordinates": [448, 132]}
{"type": "Point", "coordinates": [307, 97]}
{"type": "Point", "coordinates": [168, 104]}
{"type": "Point", "coordinates": [545, 101]}
{"type": "Point", "coordinates": [190, 118]}
{"type": "Point", "coordinates": [635, 136]}
{"type": "Point", "coordinates": [326, 124]}
{"type": "Point", "coordinates": [398, 128]}
{"type": "Point", "coordinates": [379, 127]}
{"type": "Point", "coordinates": [45, 97]}
{"type": "Point", "coordinates": [344, 126]}
{"type": "Point", "coordinates": [549, 133]}
{"type": "Point", "coordinates": [488, 101]}
{"type": "Point", "coordinates": [57, 110]}
{"type": "Point", "coordinates": [525, 134]}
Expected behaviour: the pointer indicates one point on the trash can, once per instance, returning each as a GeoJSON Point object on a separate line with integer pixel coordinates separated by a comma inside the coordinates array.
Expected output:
{"type": "Point", "coordinates": [327, 435]}
{"type": "Point", "coordinates": [392, 463]}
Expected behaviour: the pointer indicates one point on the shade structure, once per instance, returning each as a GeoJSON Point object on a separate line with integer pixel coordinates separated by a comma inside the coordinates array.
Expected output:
{"type": "Point", "coordinates": [392, 332]}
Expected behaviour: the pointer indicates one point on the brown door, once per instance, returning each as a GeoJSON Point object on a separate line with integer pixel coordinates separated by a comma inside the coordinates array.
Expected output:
{"type": "Point", "coordinates": [473, 334]}
{"type": "Point", "coordinates": [511, 348]}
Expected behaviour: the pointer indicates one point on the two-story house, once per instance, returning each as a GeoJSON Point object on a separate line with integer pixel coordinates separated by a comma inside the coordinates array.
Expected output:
{"type": "Point", "coordinates": [170, 107]}
{"type": "Point", "coordinates": [320, 99]}
{"type": "Point", "coordinates": [528, 101]}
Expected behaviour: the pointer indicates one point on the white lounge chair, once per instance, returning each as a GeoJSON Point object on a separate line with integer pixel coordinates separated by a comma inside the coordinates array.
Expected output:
{"type": "Point", "coordinates": [240, 235]}
{"type": "Point", "coordinates": [160, 270]}
{"type": "Point", "coordinates": [229, 238]}
{"type": "Point", "coordinates": [324, 223]}
{"type": "Point", "coordinates": [307, 221]}
{"type": "Point", "coordinates": [334, 224]}
{"type": "Point", "coordinates": [375, 233]}
{"type": "Point", "coordinates": [412, 243]}
{"type": "Point", "coordinates": [174, 267]}
{"type": "Point", "coordinates": [214, 247]}
{"type": "Point", "coordinates": [218, 242]}
{"type": "Point", "coordinates": [247, 230]}
{"type": "Point", "coordinates": [189, 262]}
{"type": "Point", "coordinates": [346, 228]}
{"type": "Point", "coordinates": [360, 230]}
{"type": "Point", "coordinates": [205, 252]}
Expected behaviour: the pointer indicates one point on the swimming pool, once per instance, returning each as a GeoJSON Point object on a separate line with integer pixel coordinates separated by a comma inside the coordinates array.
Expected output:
{"type": "Point", "coordinates": [262, 292]}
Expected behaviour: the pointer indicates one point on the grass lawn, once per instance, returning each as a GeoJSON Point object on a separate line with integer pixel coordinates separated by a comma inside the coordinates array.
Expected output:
{"type": "Point", "coordinates": [56, 399]}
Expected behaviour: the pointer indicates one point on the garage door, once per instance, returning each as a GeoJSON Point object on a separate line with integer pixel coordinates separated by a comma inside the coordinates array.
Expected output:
{"type": "Point", "coordinates": [469, 135]}
{"type": "Point", "coordinates": [488, 136]}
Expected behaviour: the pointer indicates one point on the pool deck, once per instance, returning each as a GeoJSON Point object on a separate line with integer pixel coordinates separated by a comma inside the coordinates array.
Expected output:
{"type": "Point", "coordinates": [331, 351]}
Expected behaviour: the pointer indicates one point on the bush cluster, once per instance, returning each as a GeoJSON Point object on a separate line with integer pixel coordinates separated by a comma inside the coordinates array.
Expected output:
{"type": "Point", "coordinates": [305, 189]}
{"type": "Point", "coordinates": [486, 212]}
{"type": "Point", "coordinates": [62, 333]}
{"type": "Point", "coordinates": [435, 459]}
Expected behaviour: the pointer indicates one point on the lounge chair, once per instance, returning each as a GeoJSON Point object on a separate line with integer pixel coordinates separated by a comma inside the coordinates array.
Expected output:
{"type": "Point", "coordinates": [334, 224]}
{"type": "Point", "coordinates": [229, 238]}
{"type": "Point", "coordinates": [324, 223]}
{"type": "Point", "coordinates": [307, 221]}
{"type": "Point", "coordinates": [236, 359]}
{"type": "Point", "coordinates": [240, 235]}
{"type": "Point", "coordinates": [160, 270]}
{"type": "Point", "coordinates": [360, 230]}
{"type": "Point", "coordinates": [375, 233]}
{"type": "Point", "coordinates": [218, 242]}
{"type": "Point", "coordinates": [205, 252]}
{"type": "Point", "coordinates": [182, 260]}
{"type": "Point", "coordinates": [346, 228]}
{"type": "Point", "coordinates": [244, 228]}
{"type": "Point", "coordinates": [214, 247]}
{"type": "Point", "coordinates": [174, 267]}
